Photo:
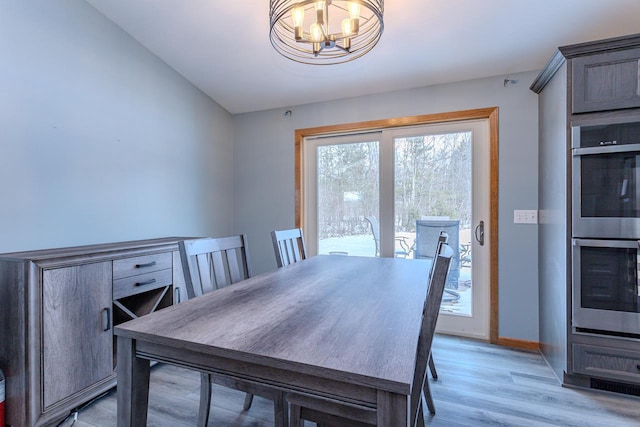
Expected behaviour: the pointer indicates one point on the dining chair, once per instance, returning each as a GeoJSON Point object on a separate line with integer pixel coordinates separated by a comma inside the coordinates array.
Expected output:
{"type": "Point", "coordinates": [210, 264]}
{"type": "Point", "coordinates": [288, 246]}
{"type": "Point", "coordinates": [325, 411]}
{"type": "Point", "coordinates": [443, 237]}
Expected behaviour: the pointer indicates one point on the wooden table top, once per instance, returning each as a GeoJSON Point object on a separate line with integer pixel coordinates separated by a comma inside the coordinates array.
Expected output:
{"type": "Point", "coordinates": [338, 317]}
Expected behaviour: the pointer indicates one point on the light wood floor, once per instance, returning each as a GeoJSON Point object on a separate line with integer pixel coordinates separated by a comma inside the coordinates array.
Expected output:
{"type": "Point", "coordinates": [479, 385]}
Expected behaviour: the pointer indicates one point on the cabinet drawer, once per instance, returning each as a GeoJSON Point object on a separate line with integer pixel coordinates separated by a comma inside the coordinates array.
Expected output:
{"type": "Point", "coordinates": [141, 264]}
{"type": "Point", "coordinates": [608, 81]}
{"type": "Point", "coordinates": [141, 283]}
{"type": "Point", "coordinates": [607, 362]}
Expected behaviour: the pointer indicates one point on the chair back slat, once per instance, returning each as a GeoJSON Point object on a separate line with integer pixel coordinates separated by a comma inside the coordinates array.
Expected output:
{"type": "Point", "coordinates": [204, 269]}
{"type": "Point", "coordinates": [431, 310]}
{"type": "Point", "coordinates": [219, 269]}
{"type": "Point", "coordinates": [211, 264]}
{"type": "Point", "coordinates": [235, 273]}
{"type": "Point", "coordinates": [289, 246]}
{"type": "Point", "coordinates": [292, 251]}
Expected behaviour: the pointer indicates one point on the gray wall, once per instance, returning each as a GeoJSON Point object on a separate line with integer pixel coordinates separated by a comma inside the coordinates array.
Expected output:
{"type": "Point", "coordinates": [101, 141]}
{"type": "Point", "coordinates": [264, 174]}
{"type": "Point", "coordinates": [552, 237]}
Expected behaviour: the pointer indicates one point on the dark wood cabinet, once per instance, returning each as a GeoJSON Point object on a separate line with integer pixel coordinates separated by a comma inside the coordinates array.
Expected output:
{"type": "Point", "coordinates": [607, 362]}
{"type": "Point", "coordinates": [607, 81]}
{"type": "Point", "coordinates": [596, 84]}
{"type": "Point", "coordinates": [57, 312]}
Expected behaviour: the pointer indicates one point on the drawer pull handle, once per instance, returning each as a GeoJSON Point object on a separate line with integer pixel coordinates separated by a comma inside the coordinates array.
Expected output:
{"type": "Point", "coordinates": [149, 264]}
{"type": "Point", "coordinates": [148, 282]}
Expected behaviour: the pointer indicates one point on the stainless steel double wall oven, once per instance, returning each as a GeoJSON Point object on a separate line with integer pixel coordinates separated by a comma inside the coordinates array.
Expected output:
{"type": "Point", "coordinates": [606, 227]}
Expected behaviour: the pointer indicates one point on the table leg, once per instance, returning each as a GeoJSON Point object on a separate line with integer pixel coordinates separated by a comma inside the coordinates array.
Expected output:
{"type": "Point", "coordinates": [133, 385]}
{"type": "Point", "coordinates": [393, 409]}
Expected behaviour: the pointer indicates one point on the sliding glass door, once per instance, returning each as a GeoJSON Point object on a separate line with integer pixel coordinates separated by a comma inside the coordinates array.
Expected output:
{"type": "Point", "coordinates": [391, 193]}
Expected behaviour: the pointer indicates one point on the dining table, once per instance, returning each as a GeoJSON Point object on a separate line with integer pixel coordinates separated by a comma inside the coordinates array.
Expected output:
{"type": "Point", "coordinates": [336, 327]}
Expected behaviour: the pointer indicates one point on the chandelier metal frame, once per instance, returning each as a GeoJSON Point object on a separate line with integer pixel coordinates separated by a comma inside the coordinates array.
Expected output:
{"type": "Point", "coordinates": [298, 44]}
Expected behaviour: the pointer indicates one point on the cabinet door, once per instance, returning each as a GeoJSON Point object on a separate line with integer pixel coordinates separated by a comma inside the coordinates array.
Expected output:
{"type": "Point", "coordinates": [76, 323]}
{"type": "Point", "coordinates": [608, 81]}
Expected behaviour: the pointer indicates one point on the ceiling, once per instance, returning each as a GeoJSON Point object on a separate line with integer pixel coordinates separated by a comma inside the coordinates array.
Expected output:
{"type": "Point", "coordinates": [223, 47]}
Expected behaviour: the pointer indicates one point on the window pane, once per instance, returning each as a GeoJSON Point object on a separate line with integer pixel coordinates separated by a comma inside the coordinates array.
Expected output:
{"type": "Point", "coordinates": [348, 192]}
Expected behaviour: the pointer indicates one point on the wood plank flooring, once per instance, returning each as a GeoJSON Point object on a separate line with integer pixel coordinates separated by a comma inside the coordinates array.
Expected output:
{"type": "Point", "coordinates": [479, 385]}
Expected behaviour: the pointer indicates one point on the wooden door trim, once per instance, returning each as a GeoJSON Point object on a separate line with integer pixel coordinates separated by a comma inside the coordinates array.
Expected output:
{"type": "Point", "coordinates": [490, 113]}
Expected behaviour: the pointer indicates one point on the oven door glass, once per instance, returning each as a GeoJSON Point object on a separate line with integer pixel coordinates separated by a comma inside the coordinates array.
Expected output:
{"type": "Point", "coordinates": [608, 279]}
{"type": "Point", "coordinates": [606, 291]}
{"type": "Point", "coordinates": [610, 185]}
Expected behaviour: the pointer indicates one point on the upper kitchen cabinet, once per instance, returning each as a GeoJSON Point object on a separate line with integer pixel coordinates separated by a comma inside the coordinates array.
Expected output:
{"type": "Point", "coordinates": [606, 81]}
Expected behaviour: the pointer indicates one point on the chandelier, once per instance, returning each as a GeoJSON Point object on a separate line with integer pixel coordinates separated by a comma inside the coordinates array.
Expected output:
{"type": "Point", "coordinates": [325, 32]}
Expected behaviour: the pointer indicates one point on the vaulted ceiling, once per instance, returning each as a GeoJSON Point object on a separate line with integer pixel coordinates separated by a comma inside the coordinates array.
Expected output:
{"type": "Point", "coordinates": [223, 47]}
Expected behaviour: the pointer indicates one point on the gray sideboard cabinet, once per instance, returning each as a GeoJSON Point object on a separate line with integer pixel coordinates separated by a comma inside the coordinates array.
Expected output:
{"type": "Point", "coordinates": [57, 312]}
{"type": "Point", "coordinates": [593, 83]}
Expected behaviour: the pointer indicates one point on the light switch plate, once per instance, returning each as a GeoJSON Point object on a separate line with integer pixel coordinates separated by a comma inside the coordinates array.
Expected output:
{"type": "Point", "coordinates": [521, 216]}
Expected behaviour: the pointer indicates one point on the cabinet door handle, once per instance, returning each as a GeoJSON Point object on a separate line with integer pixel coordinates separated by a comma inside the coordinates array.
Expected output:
{"type": "Point", "coordinates": [149, 264]}
{"type": "Point", "coordinates": [176, 298]}
{"type": "Point", "coordinates": [147, 282]}
{"type": "Point", "coordinates": [106, 319]}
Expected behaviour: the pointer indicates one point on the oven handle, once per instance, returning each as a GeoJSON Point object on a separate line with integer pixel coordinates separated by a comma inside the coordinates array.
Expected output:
{"type": "Point", "coordinates": [638, 269]}
{"type": "Point", "coordinates": [605, 149]}
{"type": "Point", "coordinates": [607, 243]}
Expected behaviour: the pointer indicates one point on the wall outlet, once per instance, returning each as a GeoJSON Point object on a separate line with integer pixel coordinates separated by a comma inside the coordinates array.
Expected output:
{"type": "Point", "coordinates": [525, 216]}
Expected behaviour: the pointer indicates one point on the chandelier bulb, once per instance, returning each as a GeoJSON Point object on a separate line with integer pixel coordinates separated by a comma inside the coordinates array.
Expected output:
{"type": "Point", "coordinates": [354, 10]}
{"type": "Point", "coordinates": [347, 30]}
{"type": "Point", "coordinates": [321, 6]}
{"type": "Point", "coordinates": [316, 32]}
{"type": "Point", "coordinates": [297, 16]}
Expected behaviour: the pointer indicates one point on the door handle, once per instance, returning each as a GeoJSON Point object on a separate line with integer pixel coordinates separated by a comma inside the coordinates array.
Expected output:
{"type": "Point", "coordinates": [479, 233]}
{"type": "Point", "coordinates": [106, 319]}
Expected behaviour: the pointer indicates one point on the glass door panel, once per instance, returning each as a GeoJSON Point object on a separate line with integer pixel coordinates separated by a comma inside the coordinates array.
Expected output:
{"type": "Point", "coordinates": [433, 189]}
{"type": "Point", "coordinates": [348, 197]}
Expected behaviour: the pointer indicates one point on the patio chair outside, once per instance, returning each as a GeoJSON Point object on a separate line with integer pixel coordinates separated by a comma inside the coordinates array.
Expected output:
{"type": "Point", "coordinates": [375, 230]}
{"type": "Point", "coordinates": [427, 232]}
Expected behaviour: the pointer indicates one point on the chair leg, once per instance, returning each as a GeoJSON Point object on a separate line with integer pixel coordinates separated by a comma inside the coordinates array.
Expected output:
{"type": "Point", "coordinates": [280, 410]}
{"type": "Point", "coordinates": [205, 400]}
{"type": "Point", "coordinates": [248, 400]}
{"type": "Point", "coordinates": [432, 368]}
{"type": "Point", "coordinates": [294, 416]}
{"type": "Point", "coordinates": [420, 420]}
{"type": "Point", "coordinates": [428, 398]}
